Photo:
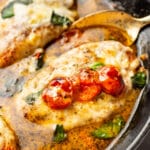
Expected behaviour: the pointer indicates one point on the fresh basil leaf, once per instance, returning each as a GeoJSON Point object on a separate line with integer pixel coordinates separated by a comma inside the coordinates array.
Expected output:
{"type": "Point", "coordinates": [31, 98]}
{"type": "Point", "coordinates": [139, 80]}
{"type": "Point", "coordinates": [11, 84]}
{"type": "Point", "coordinates": [59, 134]}
{"type": "Point", "coordinates": [59, 20]}
{"type": "Point", "coordinates": [96, 65]}
{"type": "Point", "coordinates": [110, 129]}
{"type": "Point", "coordinates": [26, 2]}
{"type": "Point", "coordinates": [39, 61]}
{"type": "Point", "coordinates": [8, 11]}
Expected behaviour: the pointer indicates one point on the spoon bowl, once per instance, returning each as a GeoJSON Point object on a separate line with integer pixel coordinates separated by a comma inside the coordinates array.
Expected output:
{"type": "Point", "coordinates": [129, 25]}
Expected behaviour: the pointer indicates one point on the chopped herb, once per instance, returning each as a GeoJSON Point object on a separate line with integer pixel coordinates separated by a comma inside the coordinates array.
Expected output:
{"type": "Point", "coordinates": [26, 2]}
{"type": "Point", "coordinates": [11, 84]}
{"type": "Point", "coordinates": [110, 129]}
{"type": "Point", "coordinates": [31, 98]}
{"type": "Point", "coordinates": [8, 10]}
{"type": "Point", "coordinates": [59, 134]}
{"type": "Point", "coordinates": [39, 60]}
{"type": "Point", "coordinates": [96, 65]}
{"type": "Point", "coordinates": [59, 20]}
{"type": "Point", "coordinates": [139, 80]}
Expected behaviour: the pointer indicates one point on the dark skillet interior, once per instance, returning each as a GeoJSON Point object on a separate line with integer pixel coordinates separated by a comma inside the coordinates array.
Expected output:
{"type": "Point", "coordinates": [138, 8]}
{"type": "Point", "coordinates": [140, 126]}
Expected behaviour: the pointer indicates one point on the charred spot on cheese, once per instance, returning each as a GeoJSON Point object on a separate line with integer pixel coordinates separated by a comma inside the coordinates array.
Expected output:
{"type": "Point", "coordinates": [8, 11]}
{"type": "Point", "coordinates": [60, 20]}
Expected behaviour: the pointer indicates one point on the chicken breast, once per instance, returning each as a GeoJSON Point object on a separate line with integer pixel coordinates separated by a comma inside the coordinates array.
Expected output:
{"type": "Point", "coordinates": [69, 64]}
{"type": "Point", "coordinates": [30, 27]}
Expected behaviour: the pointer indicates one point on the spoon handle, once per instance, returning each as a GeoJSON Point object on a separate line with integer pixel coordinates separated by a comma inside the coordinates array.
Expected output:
{"type": "Point", "coordinates": [144, 20]}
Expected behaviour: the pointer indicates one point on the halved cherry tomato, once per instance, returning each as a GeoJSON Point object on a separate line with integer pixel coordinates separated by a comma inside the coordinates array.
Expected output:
{"type": "Point", "coordinates": [111, 80]}
{"type": "Point", "coordinates": [89, 85]}
{"type": "Point", "coordinates": [58, 94]}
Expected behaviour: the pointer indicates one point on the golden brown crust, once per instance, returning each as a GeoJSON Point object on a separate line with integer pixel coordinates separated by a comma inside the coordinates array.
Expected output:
{"type": "Point", "coordinates": [31, 39]}
{"type": "Point", "coordinates": [7, 138]}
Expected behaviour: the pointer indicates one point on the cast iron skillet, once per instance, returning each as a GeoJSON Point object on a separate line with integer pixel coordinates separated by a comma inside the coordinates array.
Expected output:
{"type": "Point", "coordinates": [138, 124]}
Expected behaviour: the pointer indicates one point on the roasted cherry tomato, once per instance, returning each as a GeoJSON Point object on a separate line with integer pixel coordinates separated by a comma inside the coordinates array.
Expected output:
{"type": "Point", "coordinates": [111, 80]}
{"type": "Point", "coordinates": [87, 92]}
{"type": "Point", "coordinates": [58, 94]}
{"type": "Point", "coordinates": [89, 85]}
{"type": "Point", "coordinates": [88, 76]}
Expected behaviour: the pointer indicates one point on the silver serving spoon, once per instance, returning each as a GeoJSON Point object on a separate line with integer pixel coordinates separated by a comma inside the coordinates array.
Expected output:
{"type": "Point", "coordinates": [125, 22]}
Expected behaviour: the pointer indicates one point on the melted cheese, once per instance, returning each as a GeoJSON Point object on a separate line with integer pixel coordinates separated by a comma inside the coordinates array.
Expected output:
{"type": "Point", "coordinates": [38, 13]}
{"type": "Point", "coordinates": [109, 52]}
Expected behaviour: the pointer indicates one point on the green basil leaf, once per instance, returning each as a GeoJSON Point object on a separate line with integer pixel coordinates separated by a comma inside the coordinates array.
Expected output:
{"type": "Point", "coordinates": [110, 129]}
{"type": "Point", "coordinates": [139, 80]}
{"type": "Point", "coordinates": [40, 61]}
{"type": "Point", "coordinates": [26, 2]}
{"type": "Point", "coordinates": [31, 98]}
{"type": "Point", "coordinates": [96, 65]}
{"type": "Point", "coordinates": [59, 20]}
{"type": "Point", "coordinates": [59, 134]}
{"type": "Point", "coordinates": [8, 11]}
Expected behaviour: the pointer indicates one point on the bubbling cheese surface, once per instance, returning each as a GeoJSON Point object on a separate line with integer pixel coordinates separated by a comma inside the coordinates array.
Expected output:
{"type": "Point", "coordinates": [68, 64]}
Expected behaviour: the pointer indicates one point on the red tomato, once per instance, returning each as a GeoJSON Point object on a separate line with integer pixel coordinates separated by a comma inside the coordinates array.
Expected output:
{"type": "Point", "coordinates": [58, 94]}
{"type": "Point", "coordinates": [88, 77]}
{"type": "Point", "coordinates": [88, 92]}
{"type": "Point", "coordinates": [89, 85]}
{"type": "Point", "coordinates": [111, 80]}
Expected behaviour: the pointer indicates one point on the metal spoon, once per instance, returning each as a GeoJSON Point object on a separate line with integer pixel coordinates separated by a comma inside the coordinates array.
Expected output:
{"type": "Point", "coordinates": [118, 19]}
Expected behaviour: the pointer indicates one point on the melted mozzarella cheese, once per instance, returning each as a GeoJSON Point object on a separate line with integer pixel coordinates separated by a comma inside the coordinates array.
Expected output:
{"type": "Point", "coordinates": [38, 13]}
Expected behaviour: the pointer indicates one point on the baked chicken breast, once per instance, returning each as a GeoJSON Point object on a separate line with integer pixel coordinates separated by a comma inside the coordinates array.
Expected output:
{"type": "Point", "coordinates": [90, 105]}
{"type": "Point", "coordinates": [31, 24]}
